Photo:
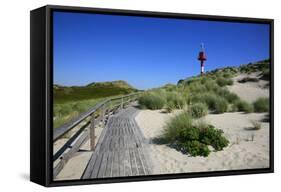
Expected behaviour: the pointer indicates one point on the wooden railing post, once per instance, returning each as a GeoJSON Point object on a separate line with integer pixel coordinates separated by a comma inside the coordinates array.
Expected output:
{"type": "Point", "coordinates": [110, 105]}
{"type": "Point", "coordinates": [103, 113]}
{"type": "Point", "coordinates": [122, 102]}
{"type": "Point", "coordinates": [92, 132]}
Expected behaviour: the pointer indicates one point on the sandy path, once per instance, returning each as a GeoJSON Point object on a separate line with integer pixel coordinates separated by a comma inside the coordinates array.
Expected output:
{"type": "Point", "coordinates": [249, 91]}
{"type": "Point", "coordinates": [242, 153]}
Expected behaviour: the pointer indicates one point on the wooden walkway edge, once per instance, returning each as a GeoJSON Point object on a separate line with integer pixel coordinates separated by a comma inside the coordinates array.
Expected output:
{"type": "Point", "coordinates": [121, 149]}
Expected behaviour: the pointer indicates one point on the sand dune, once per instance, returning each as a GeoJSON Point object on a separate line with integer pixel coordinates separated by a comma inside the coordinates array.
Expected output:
{"type": "Point", "coordinates": [249, 91]}
{"type": "Point", "coordinates": [242, 153]}
{"type": "Point", "coordinates": [247, 149]}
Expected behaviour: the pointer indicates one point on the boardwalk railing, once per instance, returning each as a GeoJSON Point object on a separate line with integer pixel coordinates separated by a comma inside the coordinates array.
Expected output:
{"type": "Point", "coordinates": [76, 132]}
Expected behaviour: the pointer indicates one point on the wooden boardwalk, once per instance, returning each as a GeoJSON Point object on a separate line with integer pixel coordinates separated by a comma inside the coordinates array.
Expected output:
{"type": "Point", "coordinates": [121, 149]}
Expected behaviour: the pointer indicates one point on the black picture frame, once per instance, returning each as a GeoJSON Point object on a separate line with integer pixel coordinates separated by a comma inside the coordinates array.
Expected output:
{"type": "Point", "coordinates": [41, 94]}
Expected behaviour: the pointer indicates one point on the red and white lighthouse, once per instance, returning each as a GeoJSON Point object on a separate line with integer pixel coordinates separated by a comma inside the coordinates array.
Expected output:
{"type": "Point", "coordinates": [202, 57]}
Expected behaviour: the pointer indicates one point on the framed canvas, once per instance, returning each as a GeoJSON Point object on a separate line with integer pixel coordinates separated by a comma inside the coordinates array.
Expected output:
{"type": "Point", "coordinates": [123, 95]}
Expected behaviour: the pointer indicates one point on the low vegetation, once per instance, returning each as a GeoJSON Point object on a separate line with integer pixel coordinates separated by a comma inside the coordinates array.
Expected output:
{"type": "Point", "coordinates": [65, 112]}
{"type": "Point", "coordinates": [199, 96]}
{"type": "Point", "coordinates": [255, 125]}
{"type": "Point", "coordinates": [243, 106]}
{"type": "Point", "coordinates": [193, 138]}
{"type": "Point", "coordinates": [69, 102]}
{"type": "Point", "coordinates": [151, 101]}
{"type": "Point", "coordinates": [198, 110]}
{"type": "Point", "coordinates": [65, 94]}
{"type": "Point", "coordinates": [261, 105]}
{"type": "Point", "coordinates": [221, 81]}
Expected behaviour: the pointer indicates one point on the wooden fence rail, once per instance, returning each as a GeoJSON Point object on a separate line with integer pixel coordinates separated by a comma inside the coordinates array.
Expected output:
{"type": "Point", "coordinates": [90, 119]}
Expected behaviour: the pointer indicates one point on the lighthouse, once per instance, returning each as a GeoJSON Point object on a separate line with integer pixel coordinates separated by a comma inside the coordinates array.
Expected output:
{"type": "Point", "coordinates": [202, 57]}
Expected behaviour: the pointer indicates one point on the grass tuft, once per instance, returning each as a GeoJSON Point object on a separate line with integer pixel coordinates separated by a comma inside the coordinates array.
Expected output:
{"type": "Point", "coordinates": [198, 110]}
{"type": "Point", "coordinates": [151, 101]}
{"type": "Point", "coordinates": [193, 138]}
{"type": "Point", "coordinates": [243, 106]}
{"type": "Point", "coordinates": [261, 105]}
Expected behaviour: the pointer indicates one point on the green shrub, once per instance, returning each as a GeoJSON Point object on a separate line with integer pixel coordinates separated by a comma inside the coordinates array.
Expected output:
{"type": "Point", "coordinates": [190, 133]}
{"type": "Point", "coordinates": [210, 100]}
{"type": "Point", "coordinates": [207, 97]}
{"type": "Point", "coordinates": [243, 106]}
{"type": "Point", "coordinates": [220, 105]}
{"type": "Point", "coordinates": [152, 101]}
{"type": "Point", "coordinates": [261, 105]}
{"type": "Point", "coordinates": [56, 110]}
{"type": "Point", "coordinates": [198, 110]}
{"type": "Point", "coordinates": [225, 93]}
{"type": "Point", "coordinates": [80, 106]}
{"type": "Point", "coordinates": [231, 97]}
{"type": "Point", "coordinates": [196, 86]}
{"type": "Point", "coordinates": [65, 109]}
{"type": "Point", "coordinates": [211, 85]}
{"type": "Point", "coordinates": [227, 75]}
{"type": "Point", "coordinates": [193, 138]}
{"type": "Point", "coordinates": [211, 136]}
{"type": "Point", "coordinates": [176, 99]}
{"type": "Point", "coordinates": [174, 127]}
{"type": "Point", "coordinates": [224, 81]}
{"type": "Point", "coordinates": [170, 106]}
{"type": "Point", "coordinates": [195, 148]}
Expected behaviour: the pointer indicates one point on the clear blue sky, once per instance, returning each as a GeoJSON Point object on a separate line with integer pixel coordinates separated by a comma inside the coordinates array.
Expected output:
{"type": "Point", "coordinates": [148, 52]}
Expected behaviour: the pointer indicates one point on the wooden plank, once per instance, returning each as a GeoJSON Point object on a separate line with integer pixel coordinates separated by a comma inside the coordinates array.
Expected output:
{"type": "Point", "coordinates": [133, 162]}
{"type": "Point", "coordinates": [139, 162]}
{"type": "Point", "coordinates": [112, 143]}
{"type": "Point", "coordinates": [115, 164]}
{"type": "Point", "coordinates": [127, 163]}
{"type": "Point", "coordinates": [121, 154]}
{"type": "Point", "coordinates": [89, 168]}
{"type": "Point", "coordinates": [88, 171]}
{"type": "Point", "coordinates": [108, 171]}
{"type": "Point", "coordinates": [145, 162]}
{"type": "Point", "coordinates": [97, 166]}
{"type": "Point", "coordinates": [103, 165]}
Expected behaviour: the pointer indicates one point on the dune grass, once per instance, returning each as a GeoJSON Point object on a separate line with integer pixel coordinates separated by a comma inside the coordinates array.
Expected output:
{"type": "Point", "coordinates": [64, 112]}
{"type": "Point", "coordinates": [243, 106]}
{"type": "Point", "coordinates": [261, 105]}
{"type": "Point", "coordinates": [199, 96]}
{"type": "Point", "coordinates": [151, 101]}
{"type": "Point", "coordinates": [193, 138]}
{"type": "Point", "coordinates": [198, 110]}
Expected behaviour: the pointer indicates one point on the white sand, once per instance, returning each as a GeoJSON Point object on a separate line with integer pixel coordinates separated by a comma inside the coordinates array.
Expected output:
{"type": "Point", "coordinates": [242, 153]}
{"type": "Point", "coordinates": [249, 91]}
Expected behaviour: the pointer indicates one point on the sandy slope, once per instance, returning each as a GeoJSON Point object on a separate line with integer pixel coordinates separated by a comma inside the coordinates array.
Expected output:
{"type": "Point", "coordinates": [249, 91]}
